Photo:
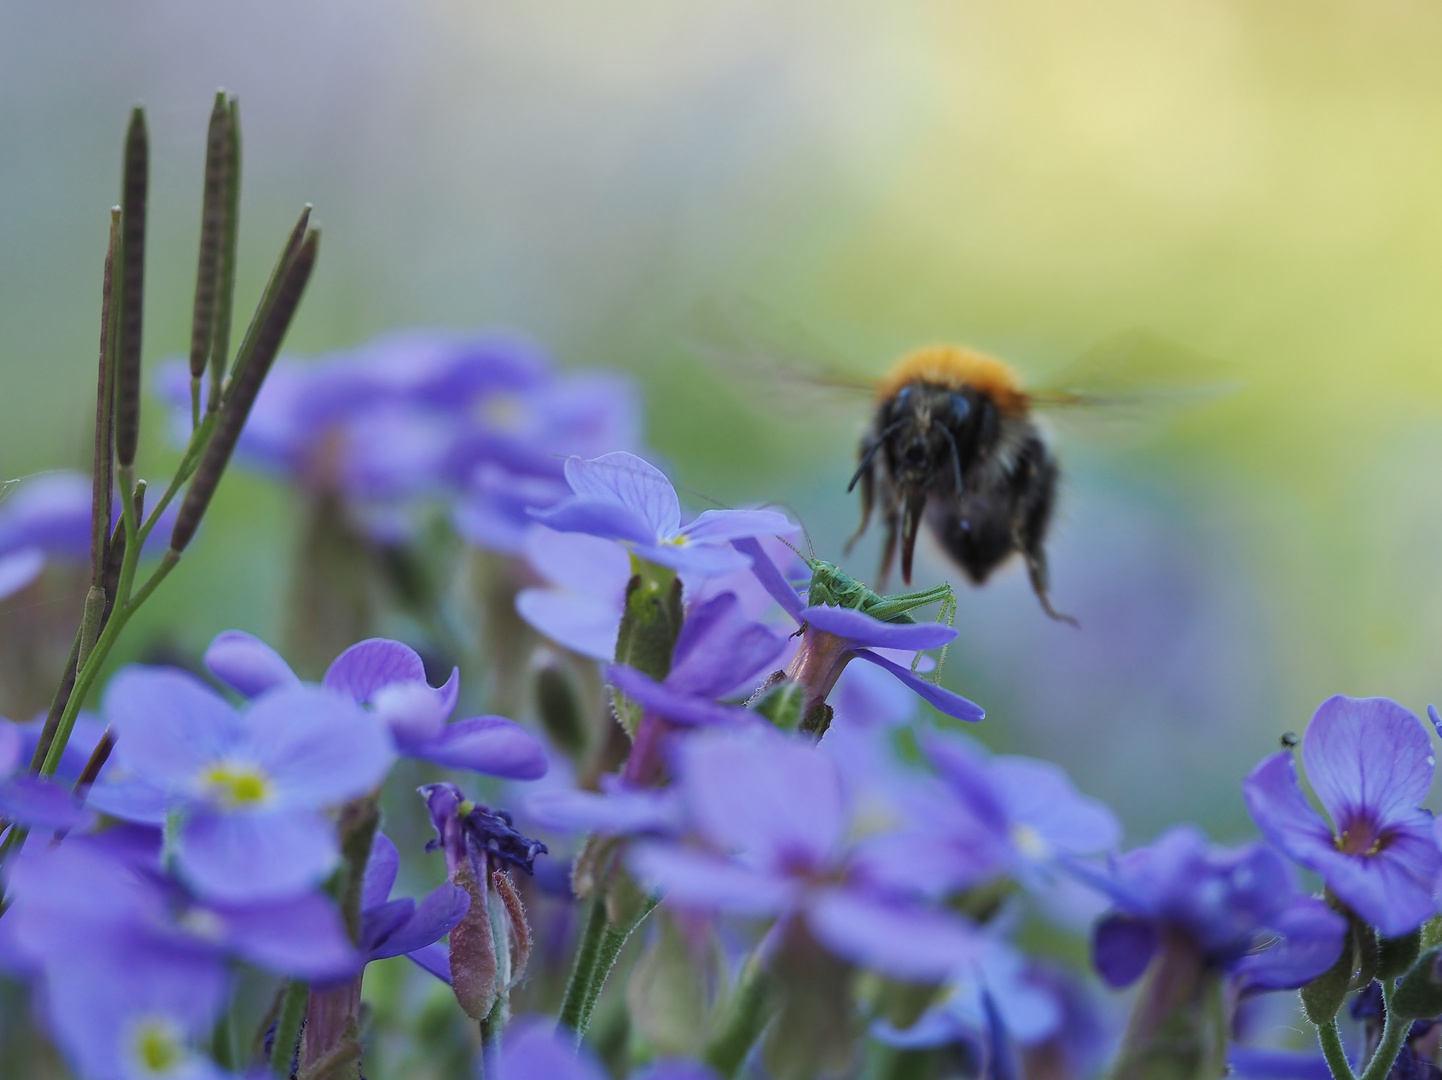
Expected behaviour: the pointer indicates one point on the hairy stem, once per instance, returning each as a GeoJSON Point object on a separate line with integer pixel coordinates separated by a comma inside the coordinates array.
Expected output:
{"type": "Point", "coordinates": [747, 1014]}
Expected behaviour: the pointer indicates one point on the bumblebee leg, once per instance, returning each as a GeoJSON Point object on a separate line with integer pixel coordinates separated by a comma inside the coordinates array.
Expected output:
{"type": "Point", "coordinates": [866, 475]}
{"type": "Point", "coordinates": [910, 522]}
{"type": "Point", "coordinates": [888, 547]}
{"type": "Point", "coordinates": [1036, 569]}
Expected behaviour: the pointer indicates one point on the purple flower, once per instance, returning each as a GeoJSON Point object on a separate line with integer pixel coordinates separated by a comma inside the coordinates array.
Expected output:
{"type": "Point", "coordinates": [1238, 909]}
{"type": "Point", "coordinates": [390, 678]}
{"type": "Point", "coordinates": [988, 817]}
{"type": "Point", "coordinates": [533, 1050]}
{"type": "Point", "coordinates": [582, 604]}
{"type": "Point", "coordinates": [616, 810]}
{"type": "Point", "coordinates": [95, 914]}
{"type": "Point", "coordinates": [770, 817]}
{"type": "Point", "coordinates": [834, 636]}
{"type": "Point", "coordinates": [251, 786]}
{"type": "Point", "coordinates": [621, 497]}
{"type": "Point", "coordinates": [416, 413]}
{"type": "Point", "coordinates": [395, 927]}
{"type": "Point", "coordinates": [47, 518]}
{"type": "Point", "coordinates": [1370, 763]}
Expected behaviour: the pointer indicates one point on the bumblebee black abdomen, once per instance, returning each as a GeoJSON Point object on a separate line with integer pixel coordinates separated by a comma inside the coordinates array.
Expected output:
{"type": "Point", "coordinates": [1011, 514]}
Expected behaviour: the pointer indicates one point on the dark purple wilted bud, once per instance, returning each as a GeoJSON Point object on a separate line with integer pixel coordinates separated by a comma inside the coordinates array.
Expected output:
{"type": "Point", "coordinates": [490, 944]}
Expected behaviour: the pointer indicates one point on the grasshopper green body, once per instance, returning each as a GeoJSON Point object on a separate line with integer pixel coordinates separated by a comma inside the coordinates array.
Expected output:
{"type": "Point", "coordinates": [832, 585]}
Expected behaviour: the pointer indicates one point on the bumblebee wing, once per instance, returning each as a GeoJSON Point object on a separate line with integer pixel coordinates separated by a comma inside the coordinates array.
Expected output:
{"type": "Point", "coordinates": [1129, 381]}
{"type": "Point", "coordinates": [742, 339]}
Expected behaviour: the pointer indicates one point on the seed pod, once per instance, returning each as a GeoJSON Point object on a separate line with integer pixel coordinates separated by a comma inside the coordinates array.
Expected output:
{"type": "Point", "coordinates": [212, 231]}
{"type": "Point", "coordinates": [103, 467]}
{"type": "Point", "coordinates": [243, 390]}
{"type": "Point", "coordinates": [134, 191]}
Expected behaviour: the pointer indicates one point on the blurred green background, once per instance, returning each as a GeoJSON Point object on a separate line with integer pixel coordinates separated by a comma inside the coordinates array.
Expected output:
{"type": "Point", "coordinates": [1260, 181]}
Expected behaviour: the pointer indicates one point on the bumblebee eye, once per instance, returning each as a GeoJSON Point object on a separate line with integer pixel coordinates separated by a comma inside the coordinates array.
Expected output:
{"type": "Point", "coordinates": [903, 397]}
{"type": "Point", "coordinates": [960, 407]}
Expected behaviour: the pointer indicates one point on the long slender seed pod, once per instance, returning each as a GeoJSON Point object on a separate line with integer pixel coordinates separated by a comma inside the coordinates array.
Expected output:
{"type": "Point", "coordinates": [245, 384]}
{"type": "Point", "coordinates": [268, 299]}
{"type": "Point", "coordinates": [212, 230]}
{"type": "Point", "coordinates": [225, 280]}
{"type": "Point", "coordinates": [134, 190]}
{"type": "Point", "coordinates": [103, 468]}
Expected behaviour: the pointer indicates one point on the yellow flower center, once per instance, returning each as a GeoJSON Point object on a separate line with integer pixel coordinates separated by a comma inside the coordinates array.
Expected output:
{"type": "Point", "coordinates": [157, 1047]}
{"type": "Point", "coordinates": [1029, 842]}
{"type": "Point", "coordinates": [235, 785]}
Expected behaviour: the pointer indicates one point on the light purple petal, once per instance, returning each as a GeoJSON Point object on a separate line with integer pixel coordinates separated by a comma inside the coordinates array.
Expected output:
{"type": "Point", "coordinates": [1041, 795]}
{"type": "Point", "coordinates": [1310, 936]}
{"type": "Point", "coordinates": [169, 725]}
{"type": "Point", "coordinates": [681, 707]}
{"type": "Point", "coordinates": [694, 879]}
{"type": "Point", "coordinates": [380, 873]}
{"type": "Point", "coordinates": [413, 711]}
{"type": "Point", "coordinates": [705, 560]}
{"type": "Point", "coordinates": [719, 646]}
{"type": "Point", "coordinates": [770, 577]}
{"type": "Point", "coordinates": [319, 748]}
{"type": "Point", "coordinates": [627, 480]}
{"type": "Point", "coordinates": [246, 664]}
{"type": "Point", "coordinates": [1367, 755]}
{"type": "Point", "coordinates": [130, 799]}
{"type": "Point", "coordinates": [584, 624]}
{"type": "Point", "coordinates": [533, 1050]}
{"type": "Point", "coordinates": [304, 938]}
{"type": "Point", "coordinates": [41, 803]}
{"type": "Point", "coordinates": [369, 665]}
{"type": "Point", "coordinates": [238, 858]}
{"type": "Point", "coordinates": [435, 916]}
{"type": "Point", "coordinates": [1274, 799]}
{"type": "Point", "coordinates": [862, 630]}
{"type": "Point", "coordinates": [435, 959]}
{"type": "Point", "coordinates": [617, 813]}
{"type": "Point", "coordinates": [723, 526]}
{"type": "Point", "coordinates": [1260, 1063]}
{"type": "Point", "coordinates": [902, 940]}
{"type": "Point", "coordinates": [579, 563]}
{"type": "Point", "coordinates": [488, 744]}
{"type": "Point", "coordinates": [777, 801]}
{"type": "Point", "coordinates": [20, 568]}
{"type": "Point", "coordinates": [677, 1070]}
{"type": "Point", "coordinates": [1392, 890]}
{"type": "Point", "coordinates": [604, 520]}
{"type": "Point", "coordinates": [1122, 947]}
{"type": "Point", "coordinates": [953, 705]}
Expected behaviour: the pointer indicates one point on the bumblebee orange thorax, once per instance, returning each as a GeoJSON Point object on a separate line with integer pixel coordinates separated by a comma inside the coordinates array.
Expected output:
{"type": "Point", "coordinates": [956, 367]}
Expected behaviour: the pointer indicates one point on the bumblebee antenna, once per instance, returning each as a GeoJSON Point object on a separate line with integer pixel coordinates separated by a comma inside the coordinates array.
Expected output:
{"type": "Point", "coordinates": [871, 453]}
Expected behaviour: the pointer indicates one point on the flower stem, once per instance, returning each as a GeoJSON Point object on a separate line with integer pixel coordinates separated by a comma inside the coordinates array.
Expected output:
{"type": "Point", "coordinates": [583, 971]}
{"type": "Point", "coordinates": [287, 1028]}
{"type": "Point", "coordinates": [747, 1014]}
{"type": "Point", "coordinates": [1394, 1033]}
{"type": "Point", "coordinates": [1332, 1050]}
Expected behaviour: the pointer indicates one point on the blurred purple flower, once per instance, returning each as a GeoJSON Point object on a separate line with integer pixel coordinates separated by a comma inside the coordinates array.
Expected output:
{"type": "Point", "coordinates": [834, 636]}
{"type": "Point", "coordinates": [395, 927]}
{"type": "Point", "coordinates": [1370, 763]}
{"type": "Point", "coordinates": [48, 517]}
{"type": "Point", "coordinates": [616, 810]}
{"type": "Point", "coordinates": [624, 498]}
{"type": "Point", "coordinates": [771, 818]}
{"type": "Point", "coordinates": [253, 785]}
{"type": "Point", "coordinates": [533, 1049]}
{"type": "Point", "coordinates": [95, 914]}
{"type": "Point", "coordinates": [420, 413]}
{"type": "Point", "coordinates": [390, 678]}
{"type": "Point", "coordinates": [1238, 909]}
{"type": "Point", "coordinates": [36, 802]}
{"type": "Point", "coordinates": [987, 817]}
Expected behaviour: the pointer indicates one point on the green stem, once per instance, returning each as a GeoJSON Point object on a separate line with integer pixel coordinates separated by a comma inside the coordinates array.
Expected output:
{"type": "Point", "coordinates": [583, 971]}
{"type": "Point", "coordinates": [222, 1042]}
{"type": "Point", "coordinates": [189, 462]}
{"type": "Point", "coordinates": [747, 1014]}
{"type": "Point", "coordinates": [613, 940]}
{"type": "Point", "coordinates": [1394, 1033]}
{"type": "Point", "coordinates": [287, 1028]}
{"type": "Point", "coordinates": [1332, 1050]}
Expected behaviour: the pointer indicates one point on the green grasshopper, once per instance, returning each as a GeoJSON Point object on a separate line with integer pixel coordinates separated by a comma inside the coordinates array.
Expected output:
{"type": "Point", "coordinates": [832, 585]}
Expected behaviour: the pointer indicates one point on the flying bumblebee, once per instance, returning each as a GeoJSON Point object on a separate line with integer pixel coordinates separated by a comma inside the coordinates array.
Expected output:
{"type": "Point", "coordinates": [954, 441]}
